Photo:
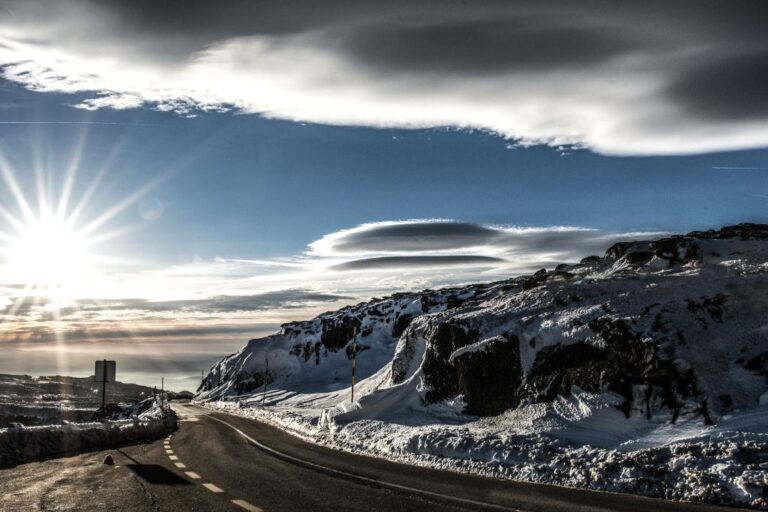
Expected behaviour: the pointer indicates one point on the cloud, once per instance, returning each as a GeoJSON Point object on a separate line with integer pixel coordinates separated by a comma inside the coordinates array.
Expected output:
{"type": "Point", "coordinates": [45, 334]}
{"type": "Point", "coordinates": [384, 262]}
{"type": "Point", "coordinates": [662, 77]}
{"type": "Point", "coordinates": [482, 46]}
{"type": "Point", "coordinates": [440, 242]}
{"type": "Point", "coordinates": [405, 236]}
{"type": "Point", "coordinates": [731, 88]}
{"type": "Point", "coordinates": [279, 299]}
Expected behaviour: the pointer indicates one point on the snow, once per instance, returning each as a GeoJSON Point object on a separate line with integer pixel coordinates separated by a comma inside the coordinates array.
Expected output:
{"type": "Point", "coordinates": [703, 316]}
{"type": "Point", "coordinates": [144, 420]}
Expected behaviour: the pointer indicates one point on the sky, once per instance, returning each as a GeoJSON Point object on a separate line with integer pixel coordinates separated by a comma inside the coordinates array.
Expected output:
{"type": "Point", "coordinates": [180, 177]}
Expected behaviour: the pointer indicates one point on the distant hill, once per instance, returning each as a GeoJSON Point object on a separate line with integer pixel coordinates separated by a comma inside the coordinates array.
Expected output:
{"type": "Point", "coordinates": [53, 399]}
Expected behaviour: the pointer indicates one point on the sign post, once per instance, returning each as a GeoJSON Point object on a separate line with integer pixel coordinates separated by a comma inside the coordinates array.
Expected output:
{"type": "Point", "coordinates": [105, 372]}
{"type": "Point", "coordinates": [266, 373]}
{"type": "Point", "coordinates": [354, 360]}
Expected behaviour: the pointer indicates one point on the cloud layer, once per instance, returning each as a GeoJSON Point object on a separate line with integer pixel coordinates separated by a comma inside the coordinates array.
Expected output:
{"type": "Point", "coordinates": [447, 243]}
{"type": "Point", "coordinates": [665, 77]}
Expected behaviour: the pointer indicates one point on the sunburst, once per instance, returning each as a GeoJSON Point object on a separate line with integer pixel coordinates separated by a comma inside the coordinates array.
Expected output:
{"type": "Point", "coordinates": [45, 247]}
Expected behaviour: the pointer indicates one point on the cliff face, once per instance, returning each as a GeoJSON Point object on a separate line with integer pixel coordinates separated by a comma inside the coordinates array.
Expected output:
{"type": "Point", "coordinates": [675, 326]}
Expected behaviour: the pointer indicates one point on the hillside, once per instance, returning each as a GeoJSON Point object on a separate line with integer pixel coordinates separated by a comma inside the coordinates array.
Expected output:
{"type": "Point", "coordinates": [647, 365]}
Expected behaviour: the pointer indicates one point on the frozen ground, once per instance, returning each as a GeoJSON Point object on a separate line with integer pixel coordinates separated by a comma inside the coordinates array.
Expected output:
{"type": "Point", "coordinates": [642, 371]}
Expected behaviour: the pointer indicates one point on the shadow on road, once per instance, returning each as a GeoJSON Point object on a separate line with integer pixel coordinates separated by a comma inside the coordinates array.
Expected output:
{"type": "Point", "coordinates": [154, 473]}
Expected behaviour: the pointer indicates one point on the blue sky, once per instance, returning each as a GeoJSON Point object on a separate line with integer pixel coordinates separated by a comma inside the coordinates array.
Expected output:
{"type": "Point", "coordinates": [243, 165]}
{"type": "Point", "coordinates": [249, 187]}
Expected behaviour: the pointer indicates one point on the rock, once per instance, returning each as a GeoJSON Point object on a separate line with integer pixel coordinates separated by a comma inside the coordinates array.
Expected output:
{"type": "Point", "coordinates": [338, 332]}
{"type": "Point", "coordinates": [109, 461]}
{"type": "Point", "coordinates": [401, 324]}
{"type": "Point", "coordinates": [618, 250]}
{"type": "Point", "coordinates": [638, 257]}
{"type": "Point", "coordinates": [490, 378]}
{"type": "Point", "coordinates": [744, 231]}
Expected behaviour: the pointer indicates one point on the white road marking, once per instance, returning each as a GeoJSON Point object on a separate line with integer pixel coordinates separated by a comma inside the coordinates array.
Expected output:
{"type": "Point", "coordinates": [173, 457]}
{"type": "Point", "coordinates": [192, 475]}
{"type": "Point", "coordinates": [247, 506]}
{"type": "Point", "coordinates": [180, 465]}
{"type": "Point", "coordinates": [352, 476]}
{"type": "Point", "coordinates": [169, 452]}
{"type": "Point", "coordinates": [213, 488]}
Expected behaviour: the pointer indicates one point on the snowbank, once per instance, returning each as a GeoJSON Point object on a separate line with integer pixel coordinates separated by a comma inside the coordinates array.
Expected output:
{"type": "Point", "coordinates": [580, 441]}
{"type": "Point", "coordinates": [28, 443]}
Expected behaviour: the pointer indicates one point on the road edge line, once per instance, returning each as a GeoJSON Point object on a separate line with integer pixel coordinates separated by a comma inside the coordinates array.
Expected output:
{"type": "Point", "coordinates": [364, 479]}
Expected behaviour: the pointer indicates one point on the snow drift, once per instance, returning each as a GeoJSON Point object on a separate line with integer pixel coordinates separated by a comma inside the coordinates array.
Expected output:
{"type": "Point", "coordinates": [144, 420]}
{"type": "Point", "coordinates": [644, 370]}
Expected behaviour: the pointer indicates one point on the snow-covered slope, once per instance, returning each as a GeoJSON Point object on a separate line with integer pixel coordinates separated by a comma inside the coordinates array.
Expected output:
{"type": "Point", "coordinates": [624, 363]}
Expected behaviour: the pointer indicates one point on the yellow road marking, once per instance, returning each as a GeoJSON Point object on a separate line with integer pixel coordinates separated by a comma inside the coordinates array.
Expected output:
{"type": "Point", "coordinates": [213, 488]}
{"type": "Point", "coordinates": [247, 506]}
{"type": "Point", "coordinates": [192, 475]}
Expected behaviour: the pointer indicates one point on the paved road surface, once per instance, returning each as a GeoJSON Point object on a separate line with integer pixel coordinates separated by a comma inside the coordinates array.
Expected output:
{"type": "Point", "coordinates": [216, 462]}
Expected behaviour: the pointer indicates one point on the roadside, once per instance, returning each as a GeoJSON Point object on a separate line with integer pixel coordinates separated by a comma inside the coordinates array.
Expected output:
{"type": "Point", "coordinates": [19, 443]}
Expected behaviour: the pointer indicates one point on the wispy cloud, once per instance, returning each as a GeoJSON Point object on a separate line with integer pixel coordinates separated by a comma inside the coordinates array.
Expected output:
{"type": "Point", "coordinates": [616, 77]}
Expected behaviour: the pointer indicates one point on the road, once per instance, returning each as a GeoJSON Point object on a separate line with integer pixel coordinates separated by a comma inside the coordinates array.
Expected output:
{"type": "Point", "coordinates": [218, 462]}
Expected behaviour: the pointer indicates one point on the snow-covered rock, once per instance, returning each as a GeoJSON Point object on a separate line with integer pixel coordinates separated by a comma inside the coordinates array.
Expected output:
{"type": "Point", "coordinates": [596, 374]}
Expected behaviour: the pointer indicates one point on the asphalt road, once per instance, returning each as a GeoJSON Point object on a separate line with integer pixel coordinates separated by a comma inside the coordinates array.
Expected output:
{"type": "Point", "coordinates": [218, 462]}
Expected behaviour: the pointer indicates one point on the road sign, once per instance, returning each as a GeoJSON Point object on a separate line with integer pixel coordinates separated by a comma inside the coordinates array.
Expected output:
{"type": "Point", "coordinates": [105, 371]}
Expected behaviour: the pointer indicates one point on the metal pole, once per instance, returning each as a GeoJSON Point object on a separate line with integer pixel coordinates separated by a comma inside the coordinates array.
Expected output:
{"type": "Point", "coordinates": [354, 360]}
{"type": "Point", "coordinates": [266, 372]}
{"type": "Point", "coordinates": [104, 387]}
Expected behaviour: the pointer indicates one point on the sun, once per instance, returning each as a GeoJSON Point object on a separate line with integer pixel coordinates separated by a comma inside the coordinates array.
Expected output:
{"type": "Point", "coordinates": [48, 254]}
{"type": "Point", "coordinates": [45, 249]}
